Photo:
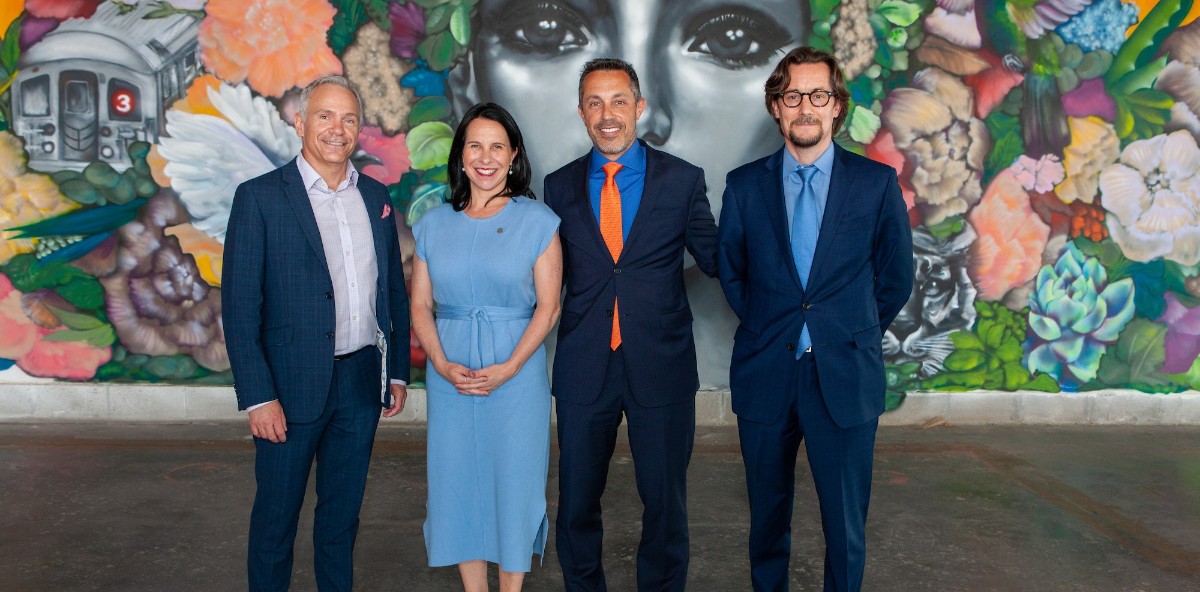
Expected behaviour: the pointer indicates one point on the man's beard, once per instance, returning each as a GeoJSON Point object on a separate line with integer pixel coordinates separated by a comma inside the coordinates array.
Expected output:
{"type": "Point", "coordinates": [802, 142]}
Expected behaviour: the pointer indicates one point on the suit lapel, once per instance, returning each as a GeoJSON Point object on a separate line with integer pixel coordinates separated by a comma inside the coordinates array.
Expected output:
{"type": "Point", "coordinates": [652, 188]}
{"type": "Point", "coordinates": [841, 183]}
{"type": "Point", "coordinates": [583, 204]}
{"type": "Point", "coordinates": [297, 195]}
{"type": "Point", "coordinates": [770, 186]}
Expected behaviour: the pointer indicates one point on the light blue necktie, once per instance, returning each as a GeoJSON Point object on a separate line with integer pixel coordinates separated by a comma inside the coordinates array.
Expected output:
{"type": "Point", "coordinates": [806, 224]}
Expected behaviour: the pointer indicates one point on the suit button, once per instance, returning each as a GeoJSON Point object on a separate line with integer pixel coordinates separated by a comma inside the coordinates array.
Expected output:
{"type": "Point", "coordinates": [807, 306]}
{"type": "Point", "coordinates": [608, 313]}
{"type": "Point", "coordinates": [791, 347]}
{"type": "Point", "coordinates": [617, 271]}
{"type": "Point", "coordinates": [329, 335]}
{"type": "Point", "coordinates": [329, 295]}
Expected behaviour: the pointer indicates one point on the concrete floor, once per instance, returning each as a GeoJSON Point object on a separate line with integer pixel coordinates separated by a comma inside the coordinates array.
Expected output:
{"type": "Point", "coordinates": [164, 507]}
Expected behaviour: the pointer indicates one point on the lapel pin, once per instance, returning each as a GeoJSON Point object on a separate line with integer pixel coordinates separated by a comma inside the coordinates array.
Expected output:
{"type": "Point", "coordinates": [500, 230]}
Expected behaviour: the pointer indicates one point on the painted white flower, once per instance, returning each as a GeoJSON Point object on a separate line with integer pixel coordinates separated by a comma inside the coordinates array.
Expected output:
{"type": "Point", "coordinates": [209, 156]}
{"type": "Point", "coordinates": [1152, 195]}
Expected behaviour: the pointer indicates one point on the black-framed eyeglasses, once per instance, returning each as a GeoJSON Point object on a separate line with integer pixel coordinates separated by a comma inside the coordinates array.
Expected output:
{"type": "Point", "coordinates": [793, 98]}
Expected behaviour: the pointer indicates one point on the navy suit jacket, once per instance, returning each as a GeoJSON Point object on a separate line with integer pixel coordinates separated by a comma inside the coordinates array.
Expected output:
{"type": "Point", "coordinates": [861, 276]}
{"type": "Point", "coordinates": [277, 295]}
{"type": "Point", "coordinates": [656, 322]}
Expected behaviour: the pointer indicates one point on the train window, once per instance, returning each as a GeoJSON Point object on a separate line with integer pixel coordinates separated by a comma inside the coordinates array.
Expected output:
{"type": "Point", "coordinates": [191, 65]}
{"type": "Point", "coordinates": [35, 96]}
{"type": "Point", "coordinates": [79, 98]}
{"type": "Point", "coordinates": [124, 101]}
{"type": "Point", "coordinates": [170, 84]}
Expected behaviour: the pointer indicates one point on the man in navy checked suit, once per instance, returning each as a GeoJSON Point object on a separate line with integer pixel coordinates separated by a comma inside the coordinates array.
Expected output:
{"type": "Point", "coordinates": [816, 261]}
{"type": "Point", "coordinates": [316, 323]}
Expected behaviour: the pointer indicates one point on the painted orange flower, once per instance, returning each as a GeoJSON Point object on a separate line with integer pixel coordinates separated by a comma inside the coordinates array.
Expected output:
{"type": "Point", "coordinates": [23, 340]}
{"type": "Point", "coordinates": [273, 45]}
{"type": "Point", "coordinates": [1008, 249]}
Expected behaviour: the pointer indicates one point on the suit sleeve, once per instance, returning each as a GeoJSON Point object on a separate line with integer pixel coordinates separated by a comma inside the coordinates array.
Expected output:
{"type": "Point", "coordinates": [732, 251]}
{"type": "Point", "coordinates": [701, 237]}
{"type": "Point", "coordinates": [242, 300]}
{"type": "Point", "coordinates": [399, 357]}
{"type": "Point", "coordinates": [893, 255]}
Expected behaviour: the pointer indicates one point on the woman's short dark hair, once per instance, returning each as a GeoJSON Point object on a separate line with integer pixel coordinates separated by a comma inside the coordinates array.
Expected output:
{"type": "Point", "coordinates": [516, 184]}
{"type": "Point", "coordinates": [781, 77]}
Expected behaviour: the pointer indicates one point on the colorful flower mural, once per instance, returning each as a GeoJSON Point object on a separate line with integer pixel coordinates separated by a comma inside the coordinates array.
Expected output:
{"type": "Point", "coordinates": [1047, 152]}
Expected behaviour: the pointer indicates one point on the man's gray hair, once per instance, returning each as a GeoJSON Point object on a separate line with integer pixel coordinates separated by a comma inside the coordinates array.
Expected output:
{"type": "Point", "coordinates": [335, 80]}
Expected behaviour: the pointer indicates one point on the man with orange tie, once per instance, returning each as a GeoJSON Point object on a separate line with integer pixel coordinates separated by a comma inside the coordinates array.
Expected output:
{"type": "Point", "coordinates": [625, 345]}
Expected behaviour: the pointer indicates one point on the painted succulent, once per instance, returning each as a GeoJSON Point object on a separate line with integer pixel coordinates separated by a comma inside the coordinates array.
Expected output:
{"type": "Point", "coordinates": [1074, 314]}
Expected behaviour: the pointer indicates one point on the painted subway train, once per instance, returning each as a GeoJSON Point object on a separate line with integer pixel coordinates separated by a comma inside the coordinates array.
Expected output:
{"type": "Point", "coordinates": [92, 86]}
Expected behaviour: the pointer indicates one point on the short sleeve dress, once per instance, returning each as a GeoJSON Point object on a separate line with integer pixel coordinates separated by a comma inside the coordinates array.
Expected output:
{"type": "Point", "coordinates": [487, 455]}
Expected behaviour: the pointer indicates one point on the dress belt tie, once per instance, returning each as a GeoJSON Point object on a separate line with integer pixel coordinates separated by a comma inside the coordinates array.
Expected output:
{"type": "Point", "coordinates": [483, 348]}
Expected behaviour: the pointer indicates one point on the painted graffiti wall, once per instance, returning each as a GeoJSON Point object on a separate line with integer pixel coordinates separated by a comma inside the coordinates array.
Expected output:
{"type": "Point", "coordinates": [1047, 151]}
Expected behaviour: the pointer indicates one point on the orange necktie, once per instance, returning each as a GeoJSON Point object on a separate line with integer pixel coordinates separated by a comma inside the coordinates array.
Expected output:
{"type": "Point", "coordinates": [613, 233]}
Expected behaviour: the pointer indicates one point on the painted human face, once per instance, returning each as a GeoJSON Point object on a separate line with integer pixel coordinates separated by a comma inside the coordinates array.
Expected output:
{"type": "Point", "coordinates": [329, 128]}
{"type": "Point", "coordinates": [701, 65]}
{"type": "Point", "coordinates": [487, 154]}
{"type": "Point", "coordinates": [808, 129]}
{"type": "Point", "coordinates": [610, 111]}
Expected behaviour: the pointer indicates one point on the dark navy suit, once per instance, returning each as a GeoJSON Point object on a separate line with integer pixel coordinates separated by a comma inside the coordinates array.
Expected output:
{"type": "Point", "coordinates": [651, 378]}
{"type": "Point", "coordinates": [861, 276]}
{"type": "Point", "coordinates": [279, 324]}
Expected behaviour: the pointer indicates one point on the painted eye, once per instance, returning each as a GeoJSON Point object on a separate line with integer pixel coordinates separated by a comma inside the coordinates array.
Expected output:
{"type": "Point", "coordinates": [543, 28]}
{"type": "Point", "coordinates": [736, 38]}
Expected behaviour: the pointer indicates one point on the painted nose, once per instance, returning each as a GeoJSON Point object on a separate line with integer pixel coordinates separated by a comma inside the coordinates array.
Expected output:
{"type": "Point", "coordinates": [656, 124]}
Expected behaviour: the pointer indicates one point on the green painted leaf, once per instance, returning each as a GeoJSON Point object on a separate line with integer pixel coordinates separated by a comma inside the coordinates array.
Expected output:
{"type": "Point", "coordinates": [377, 11]}
{"type": "Point", "coordinates": [75, 320]}
{"type": "Point", "coordinates": [439, 50]}
{"type": "Point", "coordinates": [350, 16]}
{"type": "Point", "coordinates": [429, 109]}
{"type": "Point", "coordinates": [965, 360]}
{"type": "Point", "coordinates": [1136, 357]}
{"type": "Point", "coordinates": [1044, 383]}
{"type": "Point", "coordinates": [864, 124]}
{"type": "Point", "coordinates": [84, 292]}
{"type": "Point", "coordinates": [1143, 43]}
{"type": "Point", "coordinates": [1007, 143]}
{"type": "Point", "coordinates": [460, 24]}
{"type": "Point", "coordinates": [424, 199]}
{"type": "Point", "coordinates": [438, 19]}
{"type": "Point", "coordinates": [10, 49]}
{"type": "Point", "coordinates": [966, 340]}
{"type": "Point", "coordinates": [427, 4]}
{"type": "Point", "coordinates": [899, 13]}
{"type": "Point", "coordinates": [822, 9]}
{"type": "Point", "coordinates": [101, 336]}
{"type": "Point", "coordinates": [429, 144]}
{"type": "Point", "coordinates": [946, 228]}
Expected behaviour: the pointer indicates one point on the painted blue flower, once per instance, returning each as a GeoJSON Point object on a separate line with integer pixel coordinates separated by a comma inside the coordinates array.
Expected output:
{"type": "Point", "coordinates": [1074, 314]}
{"type": "Point", "coordinates": [1100, 26]}
{"type": "Point", "coordinates": [424, 82]}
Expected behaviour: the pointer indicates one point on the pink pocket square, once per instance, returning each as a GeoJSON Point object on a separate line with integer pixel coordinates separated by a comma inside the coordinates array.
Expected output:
{"type": "Point", "coordinates": [387, 210]}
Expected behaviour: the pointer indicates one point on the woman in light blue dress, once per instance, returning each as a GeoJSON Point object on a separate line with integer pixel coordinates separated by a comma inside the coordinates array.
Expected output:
{"type": "Point", "coordinates": [485, 292]}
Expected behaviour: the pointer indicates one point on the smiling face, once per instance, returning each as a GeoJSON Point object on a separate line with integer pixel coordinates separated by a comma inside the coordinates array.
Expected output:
{"type": "Point", "coordinates": [487, 155]}
{"type": "Point", "coordinates": [808, 129]}
{"type": "Point", "coordinates": [701, 62]}
{"type": "Point", "coordinates": [329, 129]}
{"type": "Point", "coordinates": [610, 111]}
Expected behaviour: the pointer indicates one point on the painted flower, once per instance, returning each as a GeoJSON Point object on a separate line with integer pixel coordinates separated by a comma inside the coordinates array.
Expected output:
{"type": "Point", "coordinates": [390, 151]}
{"type": "Point", "coordinates": [61, 9]}
{"type": "Point", "coordinates": [23, 340]}
{"type": "Point", "coordinates": [156, 299]}
{"type": "Point", "coordinates": [1183, 335]}
{"type": "Point", "coordinates": [1088, 99]}
{"type": "Point", "coordinates": [944, 145]}
{"type": "Point", "coordinates": [273, 45]}
{"type": "Point", "coordinates": [1181, 78]}
{"type": "Point", "coordinates": [1094, 145]}
{"type": "Point", "coordinates": [1039, 175]}
{"type": "Point", "coordinates": [855, 49]}
{"type": "Point", "coordinates": [408, 28]}
{"type": "Point", "coordinates": [1101, 25]}
{"type": "Point", "coordinates": [377, 73]}
{"type": "Point", "coordinates": [208, 156]}
{"type": "Point", "coordinates": [955, 22]}
{"type": "Point", "coordinates": [1007, 251]}
{"type": "Point", "coordinates": [25, 197]}
{"type": "Point", "coordinates": [1153, 199]}
{"type": "Point", "coordinates": [942, 302]}
{"type": "Point", "coordinates": [1074, 314]}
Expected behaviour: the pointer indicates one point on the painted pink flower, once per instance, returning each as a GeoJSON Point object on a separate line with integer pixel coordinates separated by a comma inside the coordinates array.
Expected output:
{"type": "Point", "coordinates": [1183, 335]}
{"type": "Point", "coordinates": [1041, 175]}
{"type": "Point", "coordinates": [61, 9]}
{"type": "Point", "coordinates": [23, 340]}
{"type": "Point", "coordinates": [1088, 99]}
{"type": "Point", "coordinates": [408, 28]}
{"type": "Point", "coordinates": [391, 151]}
{"type": "Point", "coordinates": [273, 45]}
{"type": "Point", "coordinates": [1007, 251]}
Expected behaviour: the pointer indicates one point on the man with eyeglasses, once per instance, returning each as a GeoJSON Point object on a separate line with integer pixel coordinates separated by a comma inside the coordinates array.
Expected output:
{"type": "Point", "coordinates": [816, 261]}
